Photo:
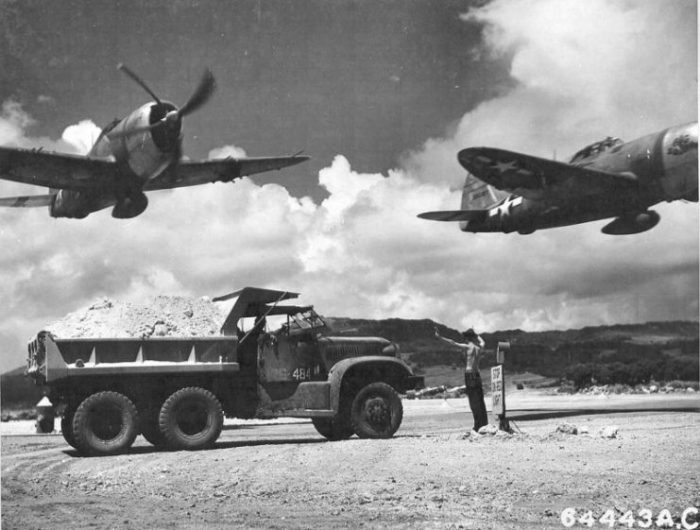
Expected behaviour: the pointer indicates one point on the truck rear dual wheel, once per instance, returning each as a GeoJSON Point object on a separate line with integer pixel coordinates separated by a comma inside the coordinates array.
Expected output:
{"type": "Point", "coordinates": [67, 426]}
{"type": "Point", "coordinates": [150, 428]}
{"type": "Point", "coordinates": [376, 411]}
{"type": "Point", "coordinates": [105, 423]}
{"type": "Point", "coordinates": [191, 418]}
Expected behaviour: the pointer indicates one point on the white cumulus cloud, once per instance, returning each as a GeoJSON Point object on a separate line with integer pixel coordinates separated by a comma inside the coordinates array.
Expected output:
{"type": "Point", "coordinates": [581, 71]}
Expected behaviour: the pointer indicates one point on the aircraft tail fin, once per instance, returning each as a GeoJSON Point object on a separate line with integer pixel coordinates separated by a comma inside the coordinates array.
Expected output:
{"type": "Point", "coordinates": [477, 198]}
{"type": "Point", "coordinates": [477, 195]}
{"type": "Point", "coordinates": [27, 201]}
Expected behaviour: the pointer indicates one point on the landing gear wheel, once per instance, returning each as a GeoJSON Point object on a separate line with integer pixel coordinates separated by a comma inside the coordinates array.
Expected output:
{"type": "Point", "coordinates": [105, 423]}
{"type": "Point", "coordinates": [332, 428]}
{"type": "Point", "coordinates": [376, 411]}
{"type": "Point", "coordinates": [191, 418]}
{"type": "Point", "coordinates": [67, 426]}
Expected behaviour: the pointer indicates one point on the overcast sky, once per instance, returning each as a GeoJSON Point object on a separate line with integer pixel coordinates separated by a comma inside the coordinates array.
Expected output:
{"type": "Point", "coordinates": [382, 95]}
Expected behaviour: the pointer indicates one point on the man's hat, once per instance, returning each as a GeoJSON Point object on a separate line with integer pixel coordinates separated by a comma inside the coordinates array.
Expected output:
{"type": "Point", "coordinates": [470, 334]}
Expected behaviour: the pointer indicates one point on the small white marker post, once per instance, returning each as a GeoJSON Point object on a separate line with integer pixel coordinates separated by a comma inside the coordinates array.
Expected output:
{"type": "Point", "coordinates": [498, 388]}
{"type": "Point", "coordinates": [44, 416]}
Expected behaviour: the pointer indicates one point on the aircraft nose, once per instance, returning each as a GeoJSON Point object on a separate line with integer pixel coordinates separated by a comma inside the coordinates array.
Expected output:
{"type": "Point", "coordinates": [683, 140]}
{"type": "Point", "coordinates": [680, 162]}
{"type": "Point", "coordinates": [691, 130]}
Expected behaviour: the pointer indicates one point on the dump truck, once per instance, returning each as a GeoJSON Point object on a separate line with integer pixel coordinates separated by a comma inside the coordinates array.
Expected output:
{"type": "Point", "coordinates": [176, 391]}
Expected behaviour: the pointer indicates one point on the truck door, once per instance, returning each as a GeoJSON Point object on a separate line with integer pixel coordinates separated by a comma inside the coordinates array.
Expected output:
{"type": "Point", "coordinates": [287, 359]}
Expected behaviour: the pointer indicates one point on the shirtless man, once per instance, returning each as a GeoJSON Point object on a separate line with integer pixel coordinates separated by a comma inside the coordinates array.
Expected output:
{"type": "Point", "coordinates": [471, 350]}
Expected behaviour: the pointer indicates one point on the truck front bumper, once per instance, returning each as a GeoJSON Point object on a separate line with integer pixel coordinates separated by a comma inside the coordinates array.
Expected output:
{"type": "Point", "coordinates": [414, 382]}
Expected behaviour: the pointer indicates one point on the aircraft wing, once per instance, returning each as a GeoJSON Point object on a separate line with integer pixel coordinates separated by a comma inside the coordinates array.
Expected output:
{"type": "Point", "coordinates": [538, 178]}
{"type": "Point", "coordinates": [193, 173]}
{"type": "Point", "coordinates": [454, 215]}
{"type": "Point", "coordinates": [27, 201]}
{"type": "Point", "coordinates": [56, 170]}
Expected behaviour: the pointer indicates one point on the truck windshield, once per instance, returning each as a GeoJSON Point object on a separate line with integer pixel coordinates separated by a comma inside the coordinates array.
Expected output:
{"type": "Point", "coordinates": [305, 320]}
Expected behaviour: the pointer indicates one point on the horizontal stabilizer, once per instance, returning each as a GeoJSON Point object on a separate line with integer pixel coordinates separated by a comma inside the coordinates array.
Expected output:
{"type": "Point", "coordinates": [27, 201]}
{"type": "Point", "coordinates": [454, 215]}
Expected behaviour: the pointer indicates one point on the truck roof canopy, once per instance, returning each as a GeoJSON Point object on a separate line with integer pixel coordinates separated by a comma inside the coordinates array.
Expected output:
{"type": "Point", "coordinates": [253, 302]}
{"type": "Point", "coordinates": [257, 294]}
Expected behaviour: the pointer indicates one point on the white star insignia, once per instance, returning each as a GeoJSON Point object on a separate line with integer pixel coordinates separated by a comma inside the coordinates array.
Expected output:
{"type": "Point", "coordinates": [502, 167]}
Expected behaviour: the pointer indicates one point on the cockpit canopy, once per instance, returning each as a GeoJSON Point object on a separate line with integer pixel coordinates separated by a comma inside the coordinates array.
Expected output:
{"type": "Point", "coordinates": [595, 149]}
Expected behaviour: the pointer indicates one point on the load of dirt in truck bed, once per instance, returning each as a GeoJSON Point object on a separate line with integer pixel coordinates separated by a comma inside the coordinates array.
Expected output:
{"type": "Point", "coordinates": [159, 316]}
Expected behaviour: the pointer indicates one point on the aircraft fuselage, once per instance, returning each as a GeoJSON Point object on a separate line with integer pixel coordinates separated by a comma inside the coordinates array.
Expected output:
{"type": "Point", "coordinates": [664, 166]}
{"type": "Point", "coordinates": [140, 156]}
{"type": "Point", "coordinates": [131, 156]}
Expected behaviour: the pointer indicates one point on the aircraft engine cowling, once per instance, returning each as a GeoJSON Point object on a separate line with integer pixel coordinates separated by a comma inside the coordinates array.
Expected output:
{"type": "Point", "coordinates": [69, 204]}
{"type": "Point", "coordinates": [130, 206]}
{"type": "Point", "coordinates": [632, 224]}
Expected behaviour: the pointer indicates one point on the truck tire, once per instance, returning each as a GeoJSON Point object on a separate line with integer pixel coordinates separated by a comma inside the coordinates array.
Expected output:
{"type": "Point", "coordinates": [67, 427]}
{"type": "Point", "coordinates": [376, 411]}
{"type": "Point", "coordinates": [105, 423]}
{"type": "Point", "coordinates": [150, 428]}
{"type": "Point", "coordinates": [191, 418]}
{"type": "Point", "coordinates": [332, 428]}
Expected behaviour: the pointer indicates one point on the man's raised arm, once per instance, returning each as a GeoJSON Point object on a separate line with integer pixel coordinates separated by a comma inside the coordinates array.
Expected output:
{"type": "Point", "coordinates": [449, 341]}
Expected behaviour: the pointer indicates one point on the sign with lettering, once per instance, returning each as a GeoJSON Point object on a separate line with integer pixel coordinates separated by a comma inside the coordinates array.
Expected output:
{"type": "Point", "coordinates": [497, 390]}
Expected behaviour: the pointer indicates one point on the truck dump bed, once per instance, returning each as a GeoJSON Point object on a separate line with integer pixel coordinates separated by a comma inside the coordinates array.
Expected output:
{"type": "Point", "coordinates": [53, 359]}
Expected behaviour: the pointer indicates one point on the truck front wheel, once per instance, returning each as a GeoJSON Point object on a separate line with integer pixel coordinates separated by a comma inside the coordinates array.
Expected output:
{"type": "Point", "coordinates": [105, 423]}
{"type": "Point", "coordinates": [333, 428]}
{"type": "Point", "coordinates": [376, 411]}
{"type": "Point", "coordinates": [191, 418]}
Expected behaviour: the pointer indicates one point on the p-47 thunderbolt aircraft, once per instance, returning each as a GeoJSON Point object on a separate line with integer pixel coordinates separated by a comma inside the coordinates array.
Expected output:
{"type": "Point", "coordinates": [133, 155]}
{"type": "Point", "coordinates": [512, 192]}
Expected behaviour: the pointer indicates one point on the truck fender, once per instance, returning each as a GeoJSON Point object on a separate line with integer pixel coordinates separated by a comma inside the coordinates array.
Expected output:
{"type": "Point", "coordinates": [371, 368]}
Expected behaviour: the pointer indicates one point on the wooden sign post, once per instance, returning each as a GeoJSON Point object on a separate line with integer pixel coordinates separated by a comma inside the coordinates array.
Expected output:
{"type": "Point", "coordinates": [498, 388]}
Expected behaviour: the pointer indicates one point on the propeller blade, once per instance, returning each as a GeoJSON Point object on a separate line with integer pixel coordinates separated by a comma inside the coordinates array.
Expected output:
{"type": "Point", "coordinates": [138, 80]}
{"type": "Point", "coordinates": [201, 95]}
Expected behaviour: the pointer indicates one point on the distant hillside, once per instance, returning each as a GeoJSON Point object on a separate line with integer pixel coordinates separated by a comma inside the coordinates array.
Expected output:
{"type": "Point", "coordinates": [17, 391]}
{"type": "Point", "coordinates": [632, 353]}
{"type": "Point", "coordinates": [404, 330]}
{"type": "Point", "coordinates": [627, 353]}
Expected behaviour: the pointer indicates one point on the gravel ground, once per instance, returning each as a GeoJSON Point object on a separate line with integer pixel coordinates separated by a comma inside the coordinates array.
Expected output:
{"type": "Point", "coordinates": [283, 475]}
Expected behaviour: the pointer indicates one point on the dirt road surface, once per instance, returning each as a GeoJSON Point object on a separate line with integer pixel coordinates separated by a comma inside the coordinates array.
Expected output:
{"type": "Point", "coordinates": [285, 475]}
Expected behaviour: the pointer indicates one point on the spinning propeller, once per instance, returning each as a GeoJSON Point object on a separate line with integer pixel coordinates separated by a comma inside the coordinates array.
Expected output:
{"type": "Point", "coordinates": [172, 116]}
